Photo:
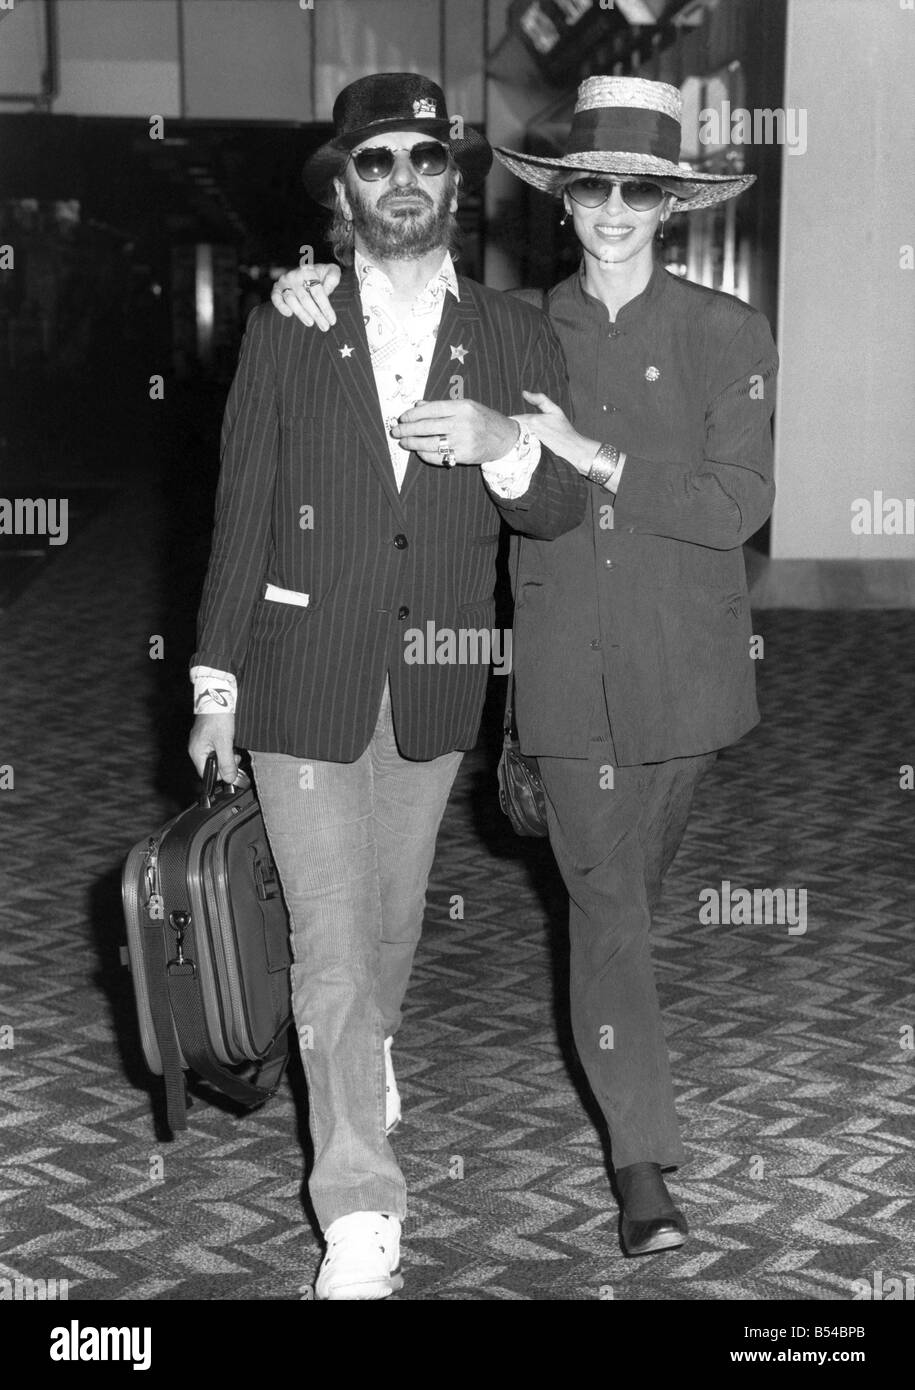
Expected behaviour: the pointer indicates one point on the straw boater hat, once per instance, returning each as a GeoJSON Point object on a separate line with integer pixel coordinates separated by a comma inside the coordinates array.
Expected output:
{"type": "Point", "coordinates": [392, 101]}
{"type": "Point", "coordinates": [631, 127]}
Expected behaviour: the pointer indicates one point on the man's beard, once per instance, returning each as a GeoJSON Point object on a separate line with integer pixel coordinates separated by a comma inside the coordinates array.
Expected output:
{"type": "Point", "coordinates": [401, 227]}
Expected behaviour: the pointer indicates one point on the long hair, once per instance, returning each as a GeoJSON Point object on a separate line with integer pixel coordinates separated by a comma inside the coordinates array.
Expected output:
{"type": "Point", "coordinates": [341, 233]}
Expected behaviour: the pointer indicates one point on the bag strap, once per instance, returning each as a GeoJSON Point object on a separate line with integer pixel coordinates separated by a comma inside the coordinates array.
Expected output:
{"type": "Point", "coordinates": [262, 1077]}
{"type": "Point", "coordinates": [153, 941]}
{"type": "Point", "coordinates": [509, 714]}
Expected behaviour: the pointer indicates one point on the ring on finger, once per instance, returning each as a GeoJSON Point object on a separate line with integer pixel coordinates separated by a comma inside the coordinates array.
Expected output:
{"type": "Point", "coordinates": [443, 445]}
{"type": "Point", "coordinates": [449, 458]}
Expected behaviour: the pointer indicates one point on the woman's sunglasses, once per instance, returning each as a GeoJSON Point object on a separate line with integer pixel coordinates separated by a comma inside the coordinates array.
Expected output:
{"type": "Point", "coordinates": [639, 194]}
{"type": "Point", "coordinates": [376, 162]}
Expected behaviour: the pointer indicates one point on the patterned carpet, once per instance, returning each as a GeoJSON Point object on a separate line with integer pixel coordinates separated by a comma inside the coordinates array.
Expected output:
{"type": "Point", "coordinates": [794, 1081]}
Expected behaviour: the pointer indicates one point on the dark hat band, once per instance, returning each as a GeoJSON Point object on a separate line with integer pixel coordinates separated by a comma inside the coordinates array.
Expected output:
{"type": "Point", "coordinates": [625, 130]}
{"type": "Point", "coordinates": [432, 126]}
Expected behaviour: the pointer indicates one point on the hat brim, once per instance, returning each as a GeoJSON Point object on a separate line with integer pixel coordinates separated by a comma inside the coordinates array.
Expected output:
{"type": "Point", "coordinates": [472, 153]}
{"type": "Point", "coordinates": [691, 189]}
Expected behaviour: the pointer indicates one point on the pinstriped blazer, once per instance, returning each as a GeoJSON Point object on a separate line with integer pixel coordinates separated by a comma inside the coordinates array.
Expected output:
{"type": "Point", "coordinates": [307, 501]}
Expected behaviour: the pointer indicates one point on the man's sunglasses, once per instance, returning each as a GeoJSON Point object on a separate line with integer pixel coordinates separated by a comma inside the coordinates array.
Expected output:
{"type": "Point", "coordinates": [376, 161]}
{"type": "Point", "coordinates": [639, 194]}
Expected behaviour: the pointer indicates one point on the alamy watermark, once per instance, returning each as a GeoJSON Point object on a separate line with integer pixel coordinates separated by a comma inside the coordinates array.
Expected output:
{"type": "Point", "coordinates": [761, 126]}
{"type": "Point", "coordinates": [883, 516]}
{"type": "Point", "coordinates": [885, 1289]}
{"type": "Point", "coordinates": [463, 646]}
{"type": "Point", "coordinates": [729, 906]}
{"type": "Point", "coordinates": [35, 516]}
{"type": "Point", "coordinates": [80, 1343]}
{"type": "Point", "coordinates": [22, 1290]}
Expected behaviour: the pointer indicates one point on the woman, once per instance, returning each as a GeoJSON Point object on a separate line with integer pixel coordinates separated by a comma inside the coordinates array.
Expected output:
{"type": "Point", "coordinates": [632, 632]}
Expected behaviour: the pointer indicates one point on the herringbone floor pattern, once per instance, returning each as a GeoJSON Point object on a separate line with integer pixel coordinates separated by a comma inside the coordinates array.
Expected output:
{"type": "Point", "coordinates": [795, 1083]}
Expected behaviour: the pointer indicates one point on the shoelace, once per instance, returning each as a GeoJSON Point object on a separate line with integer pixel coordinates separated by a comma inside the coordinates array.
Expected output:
{"type": "Point", "coordinates": [352, 1234]}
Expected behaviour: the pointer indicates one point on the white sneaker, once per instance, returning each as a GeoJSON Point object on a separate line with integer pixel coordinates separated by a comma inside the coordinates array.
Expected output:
{"type": "Point", "coordinates": [363, 1258]}
{"type": "Point", "coordinates": [391, 1093]}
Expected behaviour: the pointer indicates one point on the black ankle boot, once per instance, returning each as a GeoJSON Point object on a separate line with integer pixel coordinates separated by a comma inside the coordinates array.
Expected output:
{"type": "Point", "coordinates": [650, 1221]}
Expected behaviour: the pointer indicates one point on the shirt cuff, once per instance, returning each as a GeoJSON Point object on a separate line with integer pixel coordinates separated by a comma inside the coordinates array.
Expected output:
{"type": "Point", "coordinates": [613, 482]}
{"type": "Point", "coordinates": [510, 476]}
{"type": "Point", "coordinates": [215, 692]}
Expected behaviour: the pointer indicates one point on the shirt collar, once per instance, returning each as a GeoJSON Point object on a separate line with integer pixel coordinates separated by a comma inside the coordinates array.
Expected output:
{"type": "Point", "coordinates": [373, 277]}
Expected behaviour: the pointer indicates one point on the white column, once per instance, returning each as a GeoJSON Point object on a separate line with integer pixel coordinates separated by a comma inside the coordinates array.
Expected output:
{"type": "Point", "coordinates": [845, 427]}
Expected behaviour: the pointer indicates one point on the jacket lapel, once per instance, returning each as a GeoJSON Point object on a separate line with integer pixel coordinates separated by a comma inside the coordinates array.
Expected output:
{"type": "Point", "coordinates": [455, 330]}
{"type": "Point", "coordinates": [349, 353]}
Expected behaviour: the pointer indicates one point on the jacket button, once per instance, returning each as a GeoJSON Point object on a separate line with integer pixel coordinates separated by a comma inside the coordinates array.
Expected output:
{"type": "Point", "coordinates": [403, 612]}
{"type": "Point", "coordinates": [595, 645]}
{"type": "Point", "coordinates": [400, 541]}
{"type": "Point", "coordinates": [609, 564]}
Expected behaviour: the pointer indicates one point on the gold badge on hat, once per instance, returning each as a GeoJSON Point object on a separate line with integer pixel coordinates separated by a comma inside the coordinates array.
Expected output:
{"type": "Point", "coordinates": [425, 106]}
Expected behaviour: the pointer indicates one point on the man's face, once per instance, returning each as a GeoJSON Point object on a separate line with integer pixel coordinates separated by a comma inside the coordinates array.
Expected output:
{"type": "Point", "coordinates": [406, 214]}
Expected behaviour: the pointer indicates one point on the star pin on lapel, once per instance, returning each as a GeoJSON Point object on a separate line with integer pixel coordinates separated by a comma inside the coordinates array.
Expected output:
{"type": "Point", "coordinates": [458, 353]}
{"type": "Point", "coordinates": [346, 350]}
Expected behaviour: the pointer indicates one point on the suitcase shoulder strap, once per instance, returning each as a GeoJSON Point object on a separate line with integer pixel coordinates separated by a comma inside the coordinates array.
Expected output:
{"type": "Point", "coordinates": [250, 1087]}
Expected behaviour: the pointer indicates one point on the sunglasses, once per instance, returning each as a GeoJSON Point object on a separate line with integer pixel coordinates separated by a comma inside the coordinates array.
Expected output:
{"type": "Point", "coordinates": [639, 194]}
{"type": "Point", "coordinates": [376, 162]}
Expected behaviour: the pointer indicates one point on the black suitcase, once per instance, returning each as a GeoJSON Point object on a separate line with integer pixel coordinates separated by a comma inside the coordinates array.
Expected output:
{"type": "Point", "coordinates": [208, 949]}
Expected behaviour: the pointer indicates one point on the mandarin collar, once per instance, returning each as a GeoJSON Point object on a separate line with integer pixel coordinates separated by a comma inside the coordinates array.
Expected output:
{"type": "Point", "coordinates": [637, 308]}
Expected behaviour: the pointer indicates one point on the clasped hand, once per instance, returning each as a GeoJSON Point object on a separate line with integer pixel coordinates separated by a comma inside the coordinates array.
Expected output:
{"type": "Point", "coordinates": [472, 432]}
{"type": "Point", "coordinates": [556, 432]}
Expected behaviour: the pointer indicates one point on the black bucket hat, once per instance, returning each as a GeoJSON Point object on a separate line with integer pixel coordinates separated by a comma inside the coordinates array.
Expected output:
{"type": "Point", "coordinates": [392, 101]}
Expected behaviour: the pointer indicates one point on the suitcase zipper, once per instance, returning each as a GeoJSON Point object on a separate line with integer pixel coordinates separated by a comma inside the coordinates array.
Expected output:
{"type": "Point", "coordinates": [226, 976]}
{"type": "Point", "coordinates": [155, 906]}
{"type": "Point", "coordinates": [243, 1038]}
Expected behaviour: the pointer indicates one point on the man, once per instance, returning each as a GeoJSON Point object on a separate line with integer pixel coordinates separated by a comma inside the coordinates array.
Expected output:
{"type": "Point", "coordinates": [343, 524]}
{"type": "Point", "coordinates": [633, 631]}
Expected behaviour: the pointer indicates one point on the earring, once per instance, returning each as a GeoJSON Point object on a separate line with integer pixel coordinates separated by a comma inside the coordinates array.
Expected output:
{"type": "Point", "coordinates": [564, 218]}
{"type": "Point", "coordinates": [663, 220]}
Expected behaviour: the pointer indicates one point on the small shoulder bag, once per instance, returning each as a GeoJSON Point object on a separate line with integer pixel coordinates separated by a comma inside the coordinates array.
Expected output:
{"type": "Point", "coordinates": [521, 793]}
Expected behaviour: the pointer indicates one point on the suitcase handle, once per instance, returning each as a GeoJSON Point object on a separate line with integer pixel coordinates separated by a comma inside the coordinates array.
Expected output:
{"type": "Point", "coordinates": [211, 777]}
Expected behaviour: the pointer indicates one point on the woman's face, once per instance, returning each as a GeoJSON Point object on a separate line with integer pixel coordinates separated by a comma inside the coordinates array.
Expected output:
{"type": "Point", "coordinates": [614, 233]}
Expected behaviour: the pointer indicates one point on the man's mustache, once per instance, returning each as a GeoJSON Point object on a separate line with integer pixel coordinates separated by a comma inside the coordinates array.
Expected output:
{"type": "Point", "coordinates": [418, 197]}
